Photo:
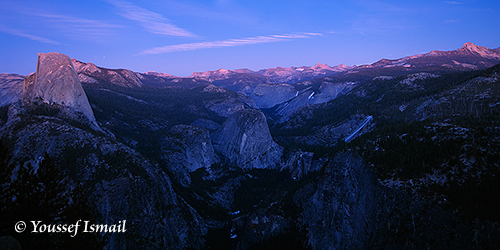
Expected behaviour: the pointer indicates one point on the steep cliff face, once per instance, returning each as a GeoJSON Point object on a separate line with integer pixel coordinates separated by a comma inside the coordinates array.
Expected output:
{"type": "Point", "coordinates": [414, 200]}
{"type": "Point", "coordinates": [331, 134]}
{"type": "Point", "coordinates": [339, 207]}
{"type": "Point", "coordinates": [268, 95]}
{"type": "Point", "coordinates": [121, 183]}
{"type": "Point", "coordinates": [229, 104]}
{"type": "Point", "coordinates": [11, 88]}
{"type": "Point", "coordinates": [300, 164]}
{"type": "Point", "coordinates": [244, 139]}
{"type": "Point", "coordinates": [187, 148]}
{"type": "Point", "coordinates": [56, 83]}
{"type": "Point", "coordinates": [326, 92]}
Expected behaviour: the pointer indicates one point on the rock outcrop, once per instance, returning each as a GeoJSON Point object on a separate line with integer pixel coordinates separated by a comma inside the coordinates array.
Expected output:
{"type": "Point", "coordinates": [11, 88]}
{"type": "Point", "coordinates": [187, 148]}
{"type": "Point", "coordinates": [298, 74]}
{"type": "Point", "coordinates": [226, 102]}
{"type": "Point", "coordinates": [331, 134]}
{"type": "Point", "coordinates": [90, 73]}
{"type": "Point", "coordinates": [268, 95]}
{"type": "Point", "coordinates": [206, 124]}
{"type": "Point", "coordinates": [244, 139]}
{"type": "Point", "coordinates": [120, 182]}
{"type": "Point", "coordinates": [56, 83]}
{"type": "Point", "coordinates": [299, 164]}
{"type": "Point", "coordinates": [327, 92]}
{"type": "Point", "coordinates": [339, 207]}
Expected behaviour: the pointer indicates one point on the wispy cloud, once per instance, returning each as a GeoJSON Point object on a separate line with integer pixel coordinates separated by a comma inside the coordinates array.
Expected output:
{"type": "Point", "coordinates": [80, 28]}
{"type": "Point", "coordinates": [25, 35]}
{"type": "Point", "coordinates": [151, 21]}
{"type": "Point", "coordinates": [80, 22]}
{"type": "Point", "coordinates": [226, 43]}
{"type": "Point", "coordinates": [71, 26]}
{"type": "Point", "coordinates": [452, 2]}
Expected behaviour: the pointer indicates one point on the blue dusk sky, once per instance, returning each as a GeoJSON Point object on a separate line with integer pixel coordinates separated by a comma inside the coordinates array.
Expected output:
{"type": "Point", "coordinates": [183, 36]}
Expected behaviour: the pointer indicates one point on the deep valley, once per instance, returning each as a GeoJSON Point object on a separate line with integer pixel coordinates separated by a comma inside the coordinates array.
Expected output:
{"type": "Point", "coordinates": [396, 154]}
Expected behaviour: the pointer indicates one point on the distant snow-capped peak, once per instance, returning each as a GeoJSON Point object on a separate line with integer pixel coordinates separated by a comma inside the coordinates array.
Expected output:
{"type": "Point", "coordinates": [482, 51]}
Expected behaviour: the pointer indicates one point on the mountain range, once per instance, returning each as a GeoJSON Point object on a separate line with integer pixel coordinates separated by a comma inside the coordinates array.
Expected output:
{"type": "Point", "coordinates": [398, 153]}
